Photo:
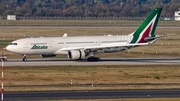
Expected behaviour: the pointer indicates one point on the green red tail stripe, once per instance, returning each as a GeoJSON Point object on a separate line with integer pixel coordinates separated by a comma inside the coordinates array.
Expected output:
{"type": "Point", "coordinates": [147, 28]}
{"type": "Point", "coordinates": [145, 34]}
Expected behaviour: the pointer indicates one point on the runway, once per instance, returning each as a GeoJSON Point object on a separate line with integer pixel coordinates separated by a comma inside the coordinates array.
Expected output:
{"type": "Point", "coordinates": [91, 94]}
{"type": "Point", "coordinates": [103, 61]}
{"type": "Point", "coordinates": [80, 27]}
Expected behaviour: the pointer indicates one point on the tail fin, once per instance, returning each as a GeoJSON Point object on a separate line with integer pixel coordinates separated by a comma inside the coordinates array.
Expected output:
{"type": "Point", "coordinates": [147, 28]}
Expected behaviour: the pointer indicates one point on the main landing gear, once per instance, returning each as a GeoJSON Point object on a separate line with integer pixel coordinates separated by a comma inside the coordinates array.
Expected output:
{"type": "Point", "coordinates": [92, 58]}
{"type": "Point", "coordinates": [24, 58]}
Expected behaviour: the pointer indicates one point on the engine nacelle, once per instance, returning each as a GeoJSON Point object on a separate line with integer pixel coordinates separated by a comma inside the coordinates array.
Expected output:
{"type": "Point", "coordinates": [76, 54]}
{"type": "Point", "coordinates": [47, 55]}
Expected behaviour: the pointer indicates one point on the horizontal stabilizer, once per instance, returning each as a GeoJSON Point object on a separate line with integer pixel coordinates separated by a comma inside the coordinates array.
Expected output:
{"type": "Point", "coordinates": [157, 37]}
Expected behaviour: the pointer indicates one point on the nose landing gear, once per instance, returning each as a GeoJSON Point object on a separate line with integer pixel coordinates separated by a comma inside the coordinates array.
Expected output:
{"type": "Point", "coordinates": [24, 58]}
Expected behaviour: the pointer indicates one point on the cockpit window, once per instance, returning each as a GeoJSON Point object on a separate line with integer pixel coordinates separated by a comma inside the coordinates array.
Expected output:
{"type": "Point", "coordinates": [13, 43]}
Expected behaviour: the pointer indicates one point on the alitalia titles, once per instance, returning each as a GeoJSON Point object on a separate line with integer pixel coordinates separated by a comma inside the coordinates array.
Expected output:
{"type": "Point", "coordinates": [39, 47]}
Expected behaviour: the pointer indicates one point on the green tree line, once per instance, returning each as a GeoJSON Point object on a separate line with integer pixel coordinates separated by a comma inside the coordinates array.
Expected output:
{"type": "Point", "coordinates": [87, 8]}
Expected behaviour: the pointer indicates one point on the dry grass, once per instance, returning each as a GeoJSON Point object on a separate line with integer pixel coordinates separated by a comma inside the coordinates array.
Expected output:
{"type": "Point", "coordinates": [11, 34]}
{"type": "Point", "coordinates": [68, 88]}
{"type": "Point", "coordinates": [59, 77]}
{"type": "Point", "coordinates": [81, 23]}
{"type": "Point", "coordinates": [70, 23]}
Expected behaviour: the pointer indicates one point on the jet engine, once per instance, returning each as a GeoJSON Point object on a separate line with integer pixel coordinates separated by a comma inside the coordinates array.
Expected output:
{"type": "Point", "coordinates": [76, 54]}
{"type": "Point", "coordinates": [47, 55]}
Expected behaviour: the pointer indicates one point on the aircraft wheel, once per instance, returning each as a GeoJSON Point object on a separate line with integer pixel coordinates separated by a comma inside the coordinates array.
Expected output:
{"type": "Point", "coordinates": [91, 59]}
{"type": "Point", "coordinates": [24, 59]}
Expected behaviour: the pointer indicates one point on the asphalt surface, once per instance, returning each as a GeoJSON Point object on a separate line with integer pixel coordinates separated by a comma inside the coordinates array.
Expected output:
{"type": "Point", "coordinates": [91, 94]}
{"type": "Point", "coordinates": [103, 61]}
{"type": "Point", "coordinates": [82, 27]}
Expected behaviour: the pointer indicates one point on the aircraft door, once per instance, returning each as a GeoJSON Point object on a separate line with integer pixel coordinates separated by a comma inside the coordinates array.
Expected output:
{"type": "Point", "coordinates": [50, 44]}
{"type": "Point", "coordinates": [25, 44]}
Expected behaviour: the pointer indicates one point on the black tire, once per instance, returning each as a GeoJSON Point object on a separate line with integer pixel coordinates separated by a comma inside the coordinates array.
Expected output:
{"type": "Point", "coordinates": [92, 59]}
{"type": "Point", "coordinates": [24, 59]}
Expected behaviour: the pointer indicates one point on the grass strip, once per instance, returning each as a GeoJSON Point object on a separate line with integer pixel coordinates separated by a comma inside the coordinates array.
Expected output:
{"type": "Point", "coordinates": [81, 23]}
{"type": "Point", "coordinates": [55, 78]}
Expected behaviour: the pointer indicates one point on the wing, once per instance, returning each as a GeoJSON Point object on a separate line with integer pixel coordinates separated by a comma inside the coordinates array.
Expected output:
{"type": "Point", "coordinates": [104, 46]}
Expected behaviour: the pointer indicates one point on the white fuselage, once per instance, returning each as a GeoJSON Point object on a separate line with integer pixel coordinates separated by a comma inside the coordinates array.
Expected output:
{"type": "Point", "coordinates": [55, 45]}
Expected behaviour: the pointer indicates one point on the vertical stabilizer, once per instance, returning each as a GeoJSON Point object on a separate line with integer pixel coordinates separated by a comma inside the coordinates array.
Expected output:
{"type": "Point", "coordinates": [147, 28]}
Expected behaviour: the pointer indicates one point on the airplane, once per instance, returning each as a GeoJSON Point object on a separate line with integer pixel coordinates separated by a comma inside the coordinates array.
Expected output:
{"type": "Point", "coordinates": [77, 48]}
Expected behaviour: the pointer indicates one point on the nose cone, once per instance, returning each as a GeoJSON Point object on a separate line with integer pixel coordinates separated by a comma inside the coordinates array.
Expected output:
{"type": "Point", "coordinates": [8, 48]}
{"type": "Point", "coordinates": [11, 48]}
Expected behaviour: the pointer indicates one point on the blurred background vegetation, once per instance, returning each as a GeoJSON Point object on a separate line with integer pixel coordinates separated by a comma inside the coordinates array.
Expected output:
{"type": "Point", "coordinates": [87, 8]}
